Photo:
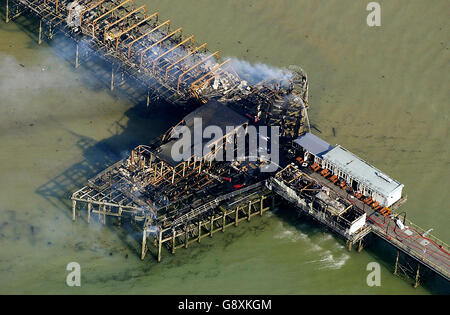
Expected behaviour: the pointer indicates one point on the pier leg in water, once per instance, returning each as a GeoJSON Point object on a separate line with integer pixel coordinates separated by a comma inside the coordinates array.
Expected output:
{"type": "Point", "coordinates": [50, 33]}
{"type": "Point", "coordinates": [396, 263]}
{"type": "Point", "coordinates": [360, 246]}
{"type": "Point", "coordinates": [416, 284]}
{"type": "Point", "coordinates": [173, 240]}
{"type": "Point", "coordinates": [211, 226]}
{"type": "Point", "coordinates": [224, 222]}
{"type": "Point", "coordinates": [261, 206]}
{"type": "Point", "coordinates": [7, 11]}
{"type": "Point", "coordinates": [40, 33]}
{"type": "Point", "coordinates": [159, 245]}
{"type": "Point", "coordinates": [148, 98]}
{"type": "Point", "coordinates": [349, 246]}
{"type": "Point", "coordinates": [112, 78]}
{"type": "Point", "coordinates": [76, 58]}
{"type": "Point", "coordinates": [74, 205]}
{"type": "Point", "coordinates": [89, 212]}
{"type": "Point", "coordinates": [144, 244]}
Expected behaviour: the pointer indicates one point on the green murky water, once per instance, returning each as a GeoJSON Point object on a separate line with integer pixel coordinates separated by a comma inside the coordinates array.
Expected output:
{"type": "Point", "coordinates": [384, 91]}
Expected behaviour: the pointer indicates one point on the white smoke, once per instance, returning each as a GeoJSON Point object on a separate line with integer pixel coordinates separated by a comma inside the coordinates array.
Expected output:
{"type": "Point", "coordinates": [256, 73]}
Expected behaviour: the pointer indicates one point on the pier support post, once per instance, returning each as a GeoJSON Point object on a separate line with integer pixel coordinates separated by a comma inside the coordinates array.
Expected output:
{"type": "Point", "coordinates": [50, 32]}
{"type": "Point", "coordinates": [349, 246]}
{"type": "Point", "coordinates": [261, 206]}
{"type": "Point", "coordinates": [173, 240]}
{"type": "Point", "coordinates": [76, 58]}
{"type": "Point", "coordinates": [7, 11]}
{"type": "Point", "coordinates": [416, 284]}
{"type": "Point", "coordinates": [199, 230]}
{"type": "Point", "coordinates": [112, 78]}
{"type": "Point", "coordinates": [148, 98]}
{"type": "Point", "coordinates": [236, 219]}
{"type": "Point", "coordinates": [40, 33]}
{"type": "Point", "coordinates": [74, 206]}
{"type": "Point", "coordinates": [89, 212]}
{"type": "Point", "coordinates": [144, 244]}
{"type": "Point", "coordinates": [186, 238]}
{"type": "Point", "coordinates": [211, 226]}
{"type": "Point", "coordinates": [396, 263]}
{"type": "Point", "coordinates": [249, 211]}
{"type": "Point", "coordinates": [360, 246]}
{"type": "Point", "coordinates": [120, 216]}
{"type": "Point", "coordinates": [159, 245]}
{"type": "Point", "coordinates": [224, 222]}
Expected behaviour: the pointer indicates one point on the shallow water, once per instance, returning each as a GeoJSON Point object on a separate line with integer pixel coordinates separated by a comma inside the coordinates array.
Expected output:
{"type": "Point", "coordinates": [383, 90]}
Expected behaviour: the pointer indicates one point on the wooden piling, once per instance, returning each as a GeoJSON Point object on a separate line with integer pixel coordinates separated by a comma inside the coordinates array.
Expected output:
{"type": "Point", "coordinates": [112, 78]}
{"type": "Point", "coordinates": [40, 33]}
{"type": "Point", "coordinates": [76, 58]}
{"type": "Point", "coordinates": [249, 211]}
{"type": "Point", "coordinates": [120, 216]}
{"type": "Point", "coordinates": [74, 205]}
{"type": "Point", "coordinates": [236, 219]}
{"type": "Point", "coordinates": [224, 222]}
{"type": "Point", "coordinates": [159, 245]}
{"type": "Point", "coordinates": [199, 231]}
{"type": "Point", "coordinates": [360, 246]}
{"type": "Point", "coordinates": [89, 212]}
{"type": "Point", "coordinates": [7, 11]}
{"type": "Point", "coordinates": [211, 226]}
{"type": "Point", "coordinates": [261, 206]}
{"type": "Point", "coordinates": [174, 235]}
{"type": "Point", "coordinates": [144, 244]}
{"type": "Point", "coordinates": [416, 284]}
{"type": "Point", "coordinates": [396, 263]}
{"type": "Point", "coordinates": [349, 246]}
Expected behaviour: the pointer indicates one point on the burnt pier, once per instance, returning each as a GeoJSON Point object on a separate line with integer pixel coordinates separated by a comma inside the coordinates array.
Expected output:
{"type": "Point", "coordinates": [176, 203]}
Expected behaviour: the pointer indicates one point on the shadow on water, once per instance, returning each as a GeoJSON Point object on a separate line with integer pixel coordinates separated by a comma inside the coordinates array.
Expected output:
{"type": "Point", "coordinates": [138, 125]}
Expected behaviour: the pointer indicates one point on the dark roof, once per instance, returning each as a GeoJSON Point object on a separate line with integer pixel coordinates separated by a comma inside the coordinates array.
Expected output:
{"type": "Point", "coordinates": [313, 144]}
{"type": "Point", "coordinates": [212, 114]}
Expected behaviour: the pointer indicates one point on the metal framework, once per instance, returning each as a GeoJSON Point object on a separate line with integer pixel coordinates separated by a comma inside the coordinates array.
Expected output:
{"type": "Point", "coordinates": [145, 20]}
{"type": "Point", "coordinates": [130, 45]}
{"type": "Point", "coordinates": [143, 8]}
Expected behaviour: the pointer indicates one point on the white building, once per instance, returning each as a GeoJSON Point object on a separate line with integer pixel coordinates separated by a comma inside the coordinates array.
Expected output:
{"type": "Point", "coordinates": [361, 176]}
{"type": "Point", "coordinates": [313, 147]}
